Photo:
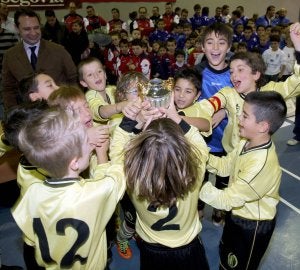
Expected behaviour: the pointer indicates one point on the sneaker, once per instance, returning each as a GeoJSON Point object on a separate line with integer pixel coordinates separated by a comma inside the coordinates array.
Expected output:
{"type": "Point", "coordinates": [218, 217]}
{"type": "Point", "coordinates": [292, 142]}
{"type": "Point", "coordinates": [124, 249]}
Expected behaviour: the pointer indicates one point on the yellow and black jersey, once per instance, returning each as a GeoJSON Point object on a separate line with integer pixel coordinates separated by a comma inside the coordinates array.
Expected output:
{"type": "Point", "coordinates": [28, 174]}
{"type": "Point", "coordinates": [65, 219]}
{"type": "Point", "coordinates": [95, 100]}
{"type": "Point", "coordinates": [196, 110]}
{"type": "Point", "coordinates": [175, 226]}
{"type": "Point", "coordinates": [253, 189]}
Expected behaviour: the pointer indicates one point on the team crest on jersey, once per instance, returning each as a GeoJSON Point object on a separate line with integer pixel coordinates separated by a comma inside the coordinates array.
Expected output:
{"type": "Point", "coordinates": [232, 260]}
{"type": "Point", "coordinates": [215, 102]}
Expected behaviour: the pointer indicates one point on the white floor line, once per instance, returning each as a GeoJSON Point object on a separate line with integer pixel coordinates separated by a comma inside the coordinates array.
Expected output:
{"type": "Point", "coordinates": [286, 123]}
{"type": "Point", "coordinates": [291, 174]}
{"type": "Point", "coordinates": [290, 205]}
{"type": "Point", "coordinates": [283, 200]}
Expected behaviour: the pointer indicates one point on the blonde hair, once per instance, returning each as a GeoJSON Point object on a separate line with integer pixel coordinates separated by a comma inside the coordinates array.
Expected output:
{"type": "Point", "coordinates": [52, 140]}
{"type": "Point", "coordinates": [160, 164]}
{"type": "Point", "coordinates": [64, 95]}
{"type": "Point", "coordinates": [126, 81]}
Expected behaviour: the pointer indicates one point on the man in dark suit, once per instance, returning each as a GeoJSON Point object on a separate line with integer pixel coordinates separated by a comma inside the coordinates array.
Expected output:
{"type": "Point", "coordinates": [32, 55]}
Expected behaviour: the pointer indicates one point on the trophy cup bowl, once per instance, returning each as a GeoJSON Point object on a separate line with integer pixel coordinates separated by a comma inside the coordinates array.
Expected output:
{"type": "Point", "coordinates": [157, 92]}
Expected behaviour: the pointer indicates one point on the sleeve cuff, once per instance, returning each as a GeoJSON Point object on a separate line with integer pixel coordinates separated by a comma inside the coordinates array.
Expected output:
{"type": "Point", "coordinates": [184, 126]}
{"type": "Point", "coordinates": [129, 125]}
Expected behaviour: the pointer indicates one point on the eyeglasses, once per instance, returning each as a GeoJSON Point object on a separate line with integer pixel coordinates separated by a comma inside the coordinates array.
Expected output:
{"type": "Point", "coordinates": [133, 91]}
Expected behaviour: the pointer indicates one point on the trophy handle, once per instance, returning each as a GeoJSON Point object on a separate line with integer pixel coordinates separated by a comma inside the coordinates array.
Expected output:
{"type": "Point", "coordinates": [169, 84]}
{"type": "Point", "coordinates": [142, 90]}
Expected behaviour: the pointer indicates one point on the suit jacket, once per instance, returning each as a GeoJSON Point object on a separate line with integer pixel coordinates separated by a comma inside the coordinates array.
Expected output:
{"type": "Point", "coordinates": [53, 60]}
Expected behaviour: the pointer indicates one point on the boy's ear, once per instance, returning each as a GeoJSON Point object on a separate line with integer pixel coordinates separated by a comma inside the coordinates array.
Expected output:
{"type": "Point", "coordinates": [197, 96]}
{"type": "Point", "coordinates": [257, 75]}
{"type": "Point", "coordinates": [83, 83]}
{"type": "Point", "coordinates": [264, 127]}
{"type": "Point", "coordinates": [34, 96]}
{"type": "Point", "coordinates": [74, 165]}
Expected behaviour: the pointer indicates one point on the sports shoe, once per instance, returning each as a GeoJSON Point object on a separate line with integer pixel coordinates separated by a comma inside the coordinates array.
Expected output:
{"type": "Point", "coordinates": [292, 142]}
{"type": "Point", "coordinates": [218, 217]}
{"type": "Point", "coordinates": [124, 249]}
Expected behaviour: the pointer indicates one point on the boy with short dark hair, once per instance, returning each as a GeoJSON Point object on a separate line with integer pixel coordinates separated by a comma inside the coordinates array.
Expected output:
{"type": "Point", "coordinates": [122, 61]}
{"type": "Point", "coordinates": [168, 59]}
{"type": "Point", "coordinates": [275, 60]}
{"type": "Point", "coordinates": [241, 47]}
{"type": "Point", "coordinates": [249, 38]}
{"type": "Point", "coordinates": [179, 64]}
{"type": "Point", "coordinates": [160, 34]}
{"type": "Point", "coordinates": [140, 61]}
{"type": "Point", "coordinates": [35, 87]}
{"type": "Point", "coordinates": [253, 190]}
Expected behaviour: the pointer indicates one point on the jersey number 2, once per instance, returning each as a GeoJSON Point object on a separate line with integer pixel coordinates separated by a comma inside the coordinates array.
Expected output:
{"type": "Point", "coordinates": [70, 257]}
{"type": "Point", "coordinates": [160, 224]}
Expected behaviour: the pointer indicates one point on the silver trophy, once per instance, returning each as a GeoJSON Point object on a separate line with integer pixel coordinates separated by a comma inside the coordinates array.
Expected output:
{"type": "Point", "coordinates": [157, 92]}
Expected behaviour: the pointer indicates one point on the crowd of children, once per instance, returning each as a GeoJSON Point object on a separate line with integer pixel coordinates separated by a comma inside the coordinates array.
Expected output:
{"type": "Point", "coordinates": [86, 150]}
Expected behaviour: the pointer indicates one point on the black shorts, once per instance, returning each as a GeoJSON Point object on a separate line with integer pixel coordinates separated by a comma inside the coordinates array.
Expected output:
{"type": "Point", "coordinates": [158, 257]}
{"type": "Point", "coordinates": [244, 242]}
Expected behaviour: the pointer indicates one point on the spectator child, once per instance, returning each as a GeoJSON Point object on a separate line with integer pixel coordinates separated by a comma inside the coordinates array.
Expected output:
{"type": "Point", "coordinates": [263, 43]}
{"type": "Point", "coordinates": [168, 59]}
{"type": "Point", "coordinates": [140, 61]}
{"type": "Point", "coordinates": [136, 34]}
{"type": "Point", "coordinates": [289, 51]}
{"type": "Point", "coordinates": [160, 34]}
{"type": "Point", "coordinates": [123, 59]}
{"type": "Point", "coordinates": [196, 19]}
{"type": "Point", "coordinates": [241, 47]}
{"type": "Point", "coordinates": [158, 69]}
{"type": "Point", "coordinates": [249, 37]}
{"type": "Point", "coordinates": [193, 55]}
{"type": "Point", "coordinates": [260, 30]}
{"type": "Point", "coordinates": [275, 60]}
{"type": "Point", "coordinates": [110, 55]}
{"type": "Point", "coordinates": [77, 42]}
{"type": "Point", "coordinates": [180, 62]}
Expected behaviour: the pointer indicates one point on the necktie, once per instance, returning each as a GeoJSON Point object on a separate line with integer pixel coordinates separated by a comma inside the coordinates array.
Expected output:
{"type": "Point", "coordinates": [33, 57]}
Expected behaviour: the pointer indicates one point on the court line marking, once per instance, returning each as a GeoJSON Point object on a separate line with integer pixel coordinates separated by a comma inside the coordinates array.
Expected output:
{"type": "Point", "coordinates": [297, 210]}
{"type": "Point", "coordinates": [291, 174]}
